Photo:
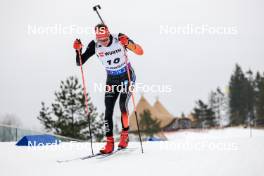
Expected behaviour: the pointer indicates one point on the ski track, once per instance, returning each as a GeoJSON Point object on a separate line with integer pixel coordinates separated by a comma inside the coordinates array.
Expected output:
{"type": "Point", "coordinates": [239, 155]}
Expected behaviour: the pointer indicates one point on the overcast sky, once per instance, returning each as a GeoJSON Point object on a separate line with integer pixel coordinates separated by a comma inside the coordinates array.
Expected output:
{"type": "Point", "coordinates": [192, 63]}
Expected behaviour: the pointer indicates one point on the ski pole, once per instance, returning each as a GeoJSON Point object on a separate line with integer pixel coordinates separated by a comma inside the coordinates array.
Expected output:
{"type": "Point", "coordinates": [86, 100]}
{"type": "Point", "coordinates": [95, 9]}
{"type": "Point", "coordinates": [133, 101]}
{"type": "Point", "coordinates": [129, 80]}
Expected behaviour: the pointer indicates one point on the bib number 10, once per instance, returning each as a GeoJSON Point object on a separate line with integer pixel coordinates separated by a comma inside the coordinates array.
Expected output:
{"type": "Point", "coordinates": [115, 61]}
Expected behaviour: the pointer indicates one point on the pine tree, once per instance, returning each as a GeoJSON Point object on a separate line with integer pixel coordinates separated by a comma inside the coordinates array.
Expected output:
{"type": "Point", "coordinates": [238, 96]}
{"type": "Point", "coordinates": [259, 103]}
{"type": "Point", "coordinates": [67, 117]}
{"type": "Point", "coordinates": [183, 115]}
{"type": "Point", "coordinates": [217, 104]}
{"type": "Point", "coordinates": [205, 116]}
{"type": "Point", "coordinates": [250, 94]}
{"type": "Point", "coordinates": [148, 125]}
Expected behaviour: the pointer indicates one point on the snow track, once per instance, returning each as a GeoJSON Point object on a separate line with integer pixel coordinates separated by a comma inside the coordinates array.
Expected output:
{"type": "Point", "coordinates": [214, 152]}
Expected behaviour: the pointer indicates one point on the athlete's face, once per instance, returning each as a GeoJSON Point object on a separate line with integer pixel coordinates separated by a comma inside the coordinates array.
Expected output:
{"type": "Point", "coordinates": [104, 41]}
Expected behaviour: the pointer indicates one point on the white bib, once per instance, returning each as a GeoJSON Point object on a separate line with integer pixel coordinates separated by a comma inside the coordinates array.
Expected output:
{"type": "Point", "coordinates": [112, 57]}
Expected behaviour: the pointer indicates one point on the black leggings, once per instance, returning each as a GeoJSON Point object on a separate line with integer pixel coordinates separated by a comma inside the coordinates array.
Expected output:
{"type": "Point", "coordinates": [115, 86]}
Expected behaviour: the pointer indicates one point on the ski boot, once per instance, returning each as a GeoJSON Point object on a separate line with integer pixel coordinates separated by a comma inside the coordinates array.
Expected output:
{"type": "Point", "coordinates": [123, 143]}
{"type": "Point", "coordinates": [109, 146]}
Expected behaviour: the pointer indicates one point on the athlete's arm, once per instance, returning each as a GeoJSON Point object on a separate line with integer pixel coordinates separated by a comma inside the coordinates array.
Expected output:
{"type": "Point", "coordinates": [130, 44]}
{"type": "Point", "coordinates": [89, 52]}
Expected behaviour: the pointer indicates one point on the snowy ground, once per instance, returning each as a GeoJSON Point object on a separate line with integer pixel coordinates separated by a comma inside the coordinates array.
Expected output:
{"type": "Point", "coordinates": [205, 153]}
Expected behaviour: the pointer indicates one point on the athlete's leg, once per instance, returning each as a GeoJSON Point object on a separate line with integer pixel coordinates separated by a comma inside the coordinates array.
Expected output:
{"type": "Point", "coordinates": [124, 99]}
{"type": "Point", "coordinates": [123, 103]}
{"type": "Point", "coordinates": [110, 99]}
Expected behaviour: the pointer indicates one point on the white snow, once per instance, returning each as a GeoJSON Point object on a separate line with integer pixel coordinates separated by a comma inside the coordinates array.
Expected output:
{"type": "Point", "coordinates": [212, 152]}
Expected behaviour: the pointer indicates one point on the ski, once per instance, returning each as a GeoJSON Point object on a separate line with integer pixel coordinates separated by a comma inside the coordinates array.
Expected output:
{"type": "Point", "coordinates": [115, 152]}
{"type": "Point", "coordinates": [109, 154]}
{"type": "Point", "coordinates": [97, 155]}
{"type": "Point", "coordinates": [80, 158]}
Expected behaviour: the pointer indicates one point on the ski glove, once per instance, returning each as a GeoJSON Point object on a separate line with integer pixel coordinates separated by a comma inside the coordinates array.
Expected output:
{"type": "Point", "coordinates": [124, 40]}
{"type": "Point", "coordinates": [77, 44]}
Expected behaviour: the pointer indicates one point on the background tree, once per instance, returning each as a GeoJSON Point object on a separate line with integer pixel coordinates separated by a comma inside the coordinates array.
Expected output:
{"type": "Point", "coordinates": [251, 94]}
{"type": "Point", "coordinates": [238, 96]}
{"type": "Point", "coordinates": [259, 102]}
{"type": "Point", "coordinates": [148, 125]}
{"type": "Point", "coordinates": [67, 117]}
{"type": "Point", "coordinates": [215, 104]}
{"type": "Point", "coordinates": [204, 114]}
{"type": "Point", "coordinates": [8, 132]}
{"type": "Point", "coordinates": [242, 103]}
{"type": "Point", "coordinates": [183, 115]}
{"type": "Point", "coordinates": [10, 119]}
{"type": "Point", "coordinates": [218, 102]}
